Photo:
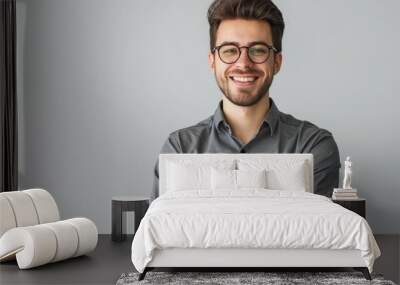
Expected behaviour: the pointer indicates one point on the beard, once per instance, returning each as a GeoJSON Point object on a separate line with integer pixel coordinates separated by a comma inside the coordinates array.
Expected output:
{"type": "Point", "coordinates": [244, 97]}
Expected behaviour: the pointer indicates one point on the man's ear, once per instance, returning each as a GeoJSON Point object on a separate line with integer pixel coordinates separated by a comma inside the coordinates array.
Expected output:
{"type": "Point", "coordinates": [211, 61]}
{"type": "Point", "coordinates": [277, 62]}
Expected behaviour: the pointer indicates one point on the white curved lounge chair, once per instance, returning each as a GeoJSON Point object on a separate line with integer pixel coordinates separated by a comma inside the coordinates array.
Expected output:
{"type": "Point", "coordinates": [32, 233]}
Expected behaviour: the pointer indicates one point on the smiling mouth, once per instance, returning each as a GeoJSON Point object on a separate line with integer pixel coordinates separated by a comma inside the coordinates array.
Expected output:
{"type": "Point", "coordinates": [243, 80]}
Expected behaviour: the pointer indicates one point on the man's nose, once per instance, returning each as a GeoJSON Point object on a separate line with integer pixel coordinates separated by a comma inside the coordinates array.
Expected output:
{"type": "Point", "coordinates": [243, 59]}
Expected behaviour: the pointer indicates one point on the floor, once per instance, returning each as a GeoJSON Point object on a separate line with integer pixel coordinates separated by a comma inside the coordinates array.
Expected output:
{"type": "Point", "coordinates": [102, 266]}
{"type": "Point", "coordinates": [111, 259]}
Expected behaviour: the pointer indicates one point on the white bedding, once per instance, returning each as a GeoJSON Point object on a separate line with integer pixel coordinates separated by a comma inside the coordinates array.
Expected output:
{"type": "Point", "coordinates": [250, 218]}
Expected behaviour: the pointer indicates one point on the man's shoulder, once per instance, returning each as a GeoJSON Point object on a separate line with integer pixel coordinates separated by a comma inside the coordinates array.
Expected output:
{"type": "Point", "coordinates": [309, 136]}
{"type": "Point", "coordinates": [303, 128]}
{"type": "Point", "coordinates": [195, 129]}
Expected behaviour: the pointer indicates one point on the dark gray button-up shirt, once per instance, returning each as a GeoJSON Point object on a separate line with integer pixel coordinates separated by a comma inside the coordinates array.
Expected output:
{"type": "Point", "coordinates": [279, 133]}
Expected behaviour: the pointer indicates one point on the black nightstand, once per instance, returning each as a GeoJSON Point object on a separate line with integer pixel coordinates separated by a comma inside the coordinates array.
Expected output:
{"type": "Point", "coordinates": [120, 204]}
{"type": "Point", "coordinates": [357, 205]}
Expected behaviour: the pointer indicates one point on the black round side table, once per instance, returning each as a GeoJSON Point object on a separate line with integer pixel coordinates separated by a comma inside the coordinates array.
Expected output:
{"type": "Point", "coordinates": [120, 204]}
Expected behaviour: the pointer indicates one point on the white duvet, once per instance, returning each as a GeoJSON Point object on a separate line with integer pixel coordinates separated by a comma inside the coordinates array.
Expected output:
{"type": "Point", "coordinates": [250, 218]}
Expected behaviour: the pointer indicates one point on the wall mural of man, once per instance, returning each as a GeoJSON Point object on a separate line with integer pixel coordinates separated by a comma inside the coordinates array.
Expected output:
{"type": "Point", "coordinates": [245, 55]}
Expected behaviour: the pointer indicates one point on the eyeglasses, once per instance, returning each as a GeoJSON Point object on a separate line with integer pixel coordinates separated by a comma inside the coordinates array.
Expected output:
{"type": "Point", "coordinates": [230, 53]}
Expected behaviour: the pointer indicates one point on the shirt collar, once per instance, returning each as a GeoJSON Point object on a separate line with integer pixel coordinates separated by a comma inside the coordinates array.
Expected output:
{"type": "Point", "coordinates": [271, 118]}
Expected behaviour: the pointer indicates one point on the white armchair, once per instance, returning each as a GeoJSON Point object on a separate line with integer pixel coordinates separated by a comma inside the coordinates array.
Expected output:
{"type": "Point", "coordinates": [31, 230]}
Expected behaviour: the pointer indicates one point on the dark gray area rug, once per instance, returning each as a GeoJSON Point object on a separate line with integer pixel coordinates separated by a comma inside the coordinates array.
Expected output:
{"type": "Point", "coordinates": [229, 278]}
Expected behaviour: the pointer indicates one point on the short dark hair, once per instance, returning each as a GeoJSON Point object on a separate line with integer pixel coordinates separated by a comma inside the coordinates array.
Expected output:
{"type": "Point", "coordinates": [264, 10]}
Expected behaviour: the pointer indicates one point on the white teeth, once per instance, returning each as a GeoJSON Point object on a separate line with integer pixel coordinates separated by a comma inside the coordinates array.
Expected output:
{"type": "Point", "coordinates": [244, 79]}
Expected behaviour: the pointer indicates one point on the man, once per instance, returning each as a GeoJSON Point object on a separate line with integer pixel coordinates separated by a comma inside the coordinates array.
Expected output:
{"type": "Point", "coordinates": [245, 54]}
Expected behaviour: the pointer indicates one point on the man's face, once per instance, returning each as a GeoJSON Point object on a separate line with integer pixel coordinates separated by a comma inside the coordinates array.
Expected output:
{"type": "Point", "coordinates": [244, 83]}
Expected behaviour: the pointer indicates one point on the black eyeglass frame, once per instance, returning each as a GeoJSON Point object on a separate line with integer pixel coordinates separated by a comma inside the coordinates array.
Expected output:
{"type": "Point", "coordinates": [217, 48]}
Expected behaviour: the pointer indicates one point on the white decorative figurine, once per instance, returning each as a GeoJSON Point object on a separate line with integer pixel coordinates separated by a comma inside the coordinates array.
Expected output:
{"type": "Point", "coordinates": [347, 174]}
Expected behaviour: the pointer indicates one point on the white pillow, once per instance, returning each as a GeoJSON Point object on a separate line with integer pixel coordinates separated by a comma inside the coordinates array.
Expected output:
{"type": "Point", "coordinates": [251, 178]}
{"type": "Point", "coordinates": [184, 174]}
{"type": "Point", "coordinates": [223, 179]}
{"type": "Point", "coordinates": [281, 175]}
{"type": "Point", "coordinates": [293, 178]}
{"type": "Point", "coordinates": [237, 179]}
{"type": "Point", "coordinates": [181, 177]}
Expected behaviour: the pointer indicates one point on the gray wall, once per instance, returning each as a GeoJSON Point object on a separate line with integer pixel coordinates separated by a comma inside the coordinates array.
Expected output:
{"type": "Point", "coordinates": [102, 84]}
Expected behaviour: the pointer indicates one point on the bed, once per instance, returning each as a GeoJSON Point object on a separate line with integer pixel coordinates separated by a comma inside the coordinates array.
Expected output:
{"type": "Point", "coordinates": [245, 211]}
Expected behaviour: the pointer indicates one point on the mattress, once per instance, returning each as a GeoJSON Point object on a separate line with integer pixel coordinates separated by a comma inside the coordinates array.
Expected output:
{"type": "Point", "coordinates": [250, 219]}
